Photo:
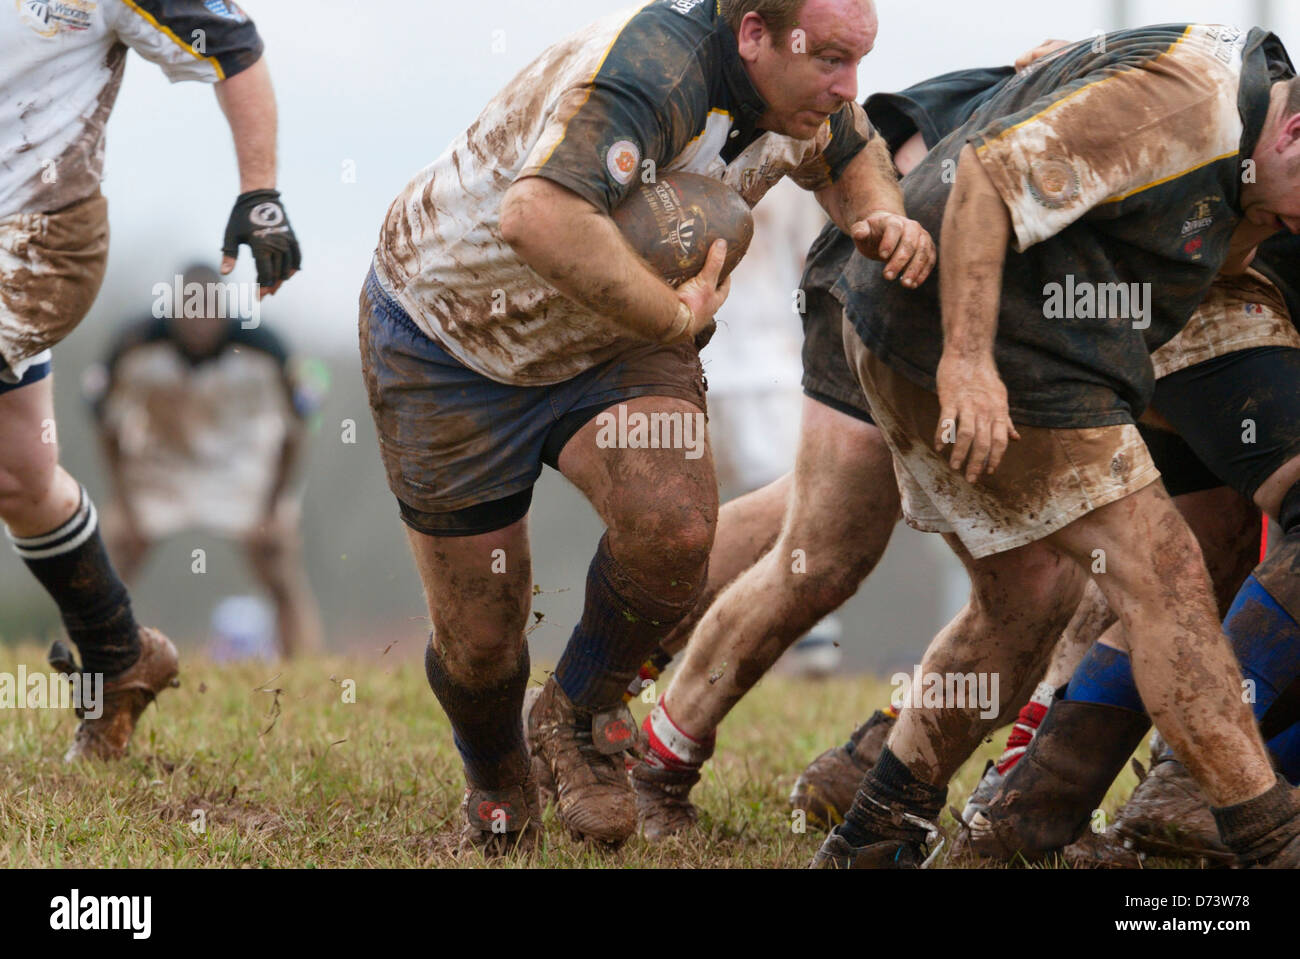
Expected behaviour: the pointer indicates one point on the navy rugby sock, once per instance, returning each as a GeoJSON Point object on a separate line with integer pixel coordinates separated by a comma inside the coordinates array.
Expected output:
{"type": "Point", "coordinates": [1267, 643]}
{"type": "Point", "coordinates": [1105, 676]}
{"type": "Point", "coordinates": [888, 789]}
{"type": "Point", "coordinates": [486, 722]}
{"type": "Point", "coordinates": [72, 565]}
{"type": "Point", "coordinates": [1265, 640]}
{"type": "Point", "coordinates": [621, 626]}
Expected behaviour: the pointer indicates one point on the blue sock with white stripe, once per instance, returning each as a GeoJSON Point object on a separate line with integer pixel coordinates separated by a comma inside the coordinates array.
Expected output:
{"type": "Point", "coordinates": [72, 565]}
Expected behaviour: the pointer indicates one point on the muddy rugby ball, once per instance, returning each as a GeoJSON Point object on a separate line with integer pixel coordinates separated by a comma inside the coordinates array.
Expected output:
{"type": "Point", "coordinates": [673, 221]}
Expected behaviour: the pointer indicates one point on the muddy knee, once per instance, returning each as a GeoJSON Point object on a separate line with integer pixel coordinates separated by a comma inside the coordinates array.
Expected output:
{"type": "Point", "coordinates": [669, 558]}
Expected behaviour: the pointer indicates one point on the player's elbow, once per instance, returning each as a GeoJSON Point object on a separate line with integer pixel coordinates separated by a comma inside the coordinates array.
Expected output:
{"type": "Point", "coordinates": [523, 216]}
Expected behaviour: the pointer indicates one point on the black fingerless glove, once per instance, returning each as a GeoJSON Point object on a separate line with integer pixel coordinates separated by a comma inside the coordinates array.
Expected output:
{"type": "Point", "coordinates": [259, 220]}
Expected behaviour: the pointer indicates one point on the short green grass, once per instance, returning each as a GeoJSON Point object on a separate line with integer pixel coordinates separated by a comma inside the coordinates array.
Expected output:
{"type": "Point", "coordinates": [266, 765]}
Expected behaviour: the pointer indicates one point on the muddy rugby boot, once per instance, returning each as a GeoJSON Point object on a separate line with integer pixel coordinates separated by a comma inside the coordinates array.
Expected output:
{"type": "Point", "coordinates": [499, 822]}
{"type": "Point", "coordinates": [892, 823]}
{"type": "Point", "coordinates": [663, 804]}
{"type": "Point", "coordinates": [541, 772]}
{"type": "Point", "coordinates": [825, 790]}
{"type": "Point", "coordinates": [838, 853]}
{"type": "Point", "coordinates": [583, 749]}
{"type": "Point", "coordinates": [1169, 815]}
{"type": "Point", "coordinates": [1049, 796]}
{"type": "Point", "coordinates": [125, 696]}
{"type": "Point", "coordinates": [1022, 734]}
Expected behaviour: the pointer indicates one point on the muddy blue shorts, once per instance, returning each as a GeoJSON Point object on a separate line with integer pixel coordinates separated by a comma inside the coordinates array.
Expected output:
{"type": "Point", "coordinates": [463, 451]}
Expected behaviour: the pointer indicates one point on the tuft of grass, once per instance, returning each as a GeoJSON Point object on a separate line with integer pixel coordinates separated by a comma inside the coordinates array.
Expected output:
{"type": "Point", "coordinates": [269, 765]}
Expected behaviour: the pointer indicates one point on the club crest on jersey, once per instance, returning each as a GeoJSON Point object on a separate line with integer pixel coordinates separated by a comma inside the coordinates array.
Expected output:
{"type": "Point", "coordinates": [622, 160]}
{"type": "Point", "coordinates": [228, 10]}
{"type": "Point", "coordinates": [1053, 182]}
{"type": "Point", "coordinates": [51, 17]}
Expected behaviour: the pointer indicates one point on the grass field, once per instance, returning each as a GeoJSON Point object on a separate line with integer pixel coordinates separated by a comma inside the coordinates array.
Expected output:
{"type": "Point", "coordinates": [267, 765]}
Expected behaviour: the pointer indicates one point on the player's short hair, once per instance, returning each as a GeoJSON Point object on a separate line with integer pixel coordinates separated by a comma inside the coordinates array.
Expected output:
{"type": "Point", "coordinates": [781, 16]}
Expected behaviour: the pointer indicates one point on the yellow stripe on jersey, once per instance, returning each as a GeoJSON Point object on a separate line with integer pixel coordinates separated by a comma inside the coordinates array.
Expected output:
{"type": "Point", "coordinates": [165, 31]}
{"type": "Point", "coordinates": [1172, 176]}
{"type": "Point", "coordinates": [587, 96]}
{"type": "Point", "coordinates": [1052, 106]}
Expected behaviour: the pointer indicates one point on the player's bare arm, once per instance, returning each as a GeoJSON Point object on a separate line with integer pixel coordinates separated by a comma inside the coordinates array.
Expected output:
{"type": "Point", "coordinates": [555, 231]}
{"type": "Point", "coordinates": [972, 397]}
{"type": "Point", "coordinates": [248, 101]}
{"type": "Point", "coordinates": [867, 203]}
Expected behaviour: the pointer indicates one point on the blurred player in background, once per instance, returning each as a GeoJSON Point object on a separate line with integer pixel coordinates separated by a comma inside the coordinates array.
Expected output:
{"type": "Point", "coordinates": [61, 66]}
{"type": "Point", "coordinates": [201, 422]}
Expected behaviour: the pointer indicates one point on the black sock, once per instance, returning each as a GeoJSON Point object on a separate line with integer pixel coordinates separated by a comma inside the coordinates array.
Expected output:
{"type": "Point", "coordinates": [486, 722]}
{"type": "Point", "coordinates": [621, 626]}
{"type": "Point", "coordinates": [887, 792]}
{"type": "Point", "coordinates": [1259, 828]}
{"type": "Point", "coordinates": [72, 565]}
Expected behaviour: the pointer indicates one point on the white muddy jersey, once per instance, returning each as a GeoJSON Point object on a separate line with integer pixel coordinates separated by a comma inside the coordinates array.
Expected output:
{"type": "Point", "coordinates": [61, 64]}
{"type": "Point", "coordinates": [658, 88]}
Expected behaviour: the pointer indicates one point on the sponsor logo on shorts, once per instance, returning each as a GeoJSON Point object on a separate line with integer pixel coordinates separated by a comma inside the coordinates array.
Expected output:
{"type": "Point", "coordinates": [619, 429]}
{"type": "Point", "coordinates": [1084, 300]}
{"type": "Point", "coordinates": [622, 160]}
{"type": "Point", "coordinates": [922, 690]}
{"type": "Point", "coordinates": [225, 301]}
{"type": "Point", "coordinates": [23, 690]}
{"type": "Point", "coordinates": [1053, 182]}
{"type": "Point", "coordinates": [50, 17]}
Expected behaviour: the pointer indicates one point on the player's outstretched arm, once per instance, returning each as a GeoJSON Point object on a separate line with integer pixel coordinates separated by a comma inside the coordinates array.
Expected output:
{"type": "Point", "coordinates": [258, 219]}
{"type": "Point", "coordinates": [973, 411]}
{"type": "Point", "coordinates": [866, 202]}
{"type": "Point", "coordinates": [580, 251]}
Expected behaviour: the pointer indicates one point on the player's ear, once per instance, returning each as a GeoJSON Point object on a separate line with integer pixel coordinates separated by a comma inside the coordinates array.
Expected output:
{"type": "Point", "coordinates": [1289, 139]}
{"type": "Point", "coordinates": [753, 29]}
